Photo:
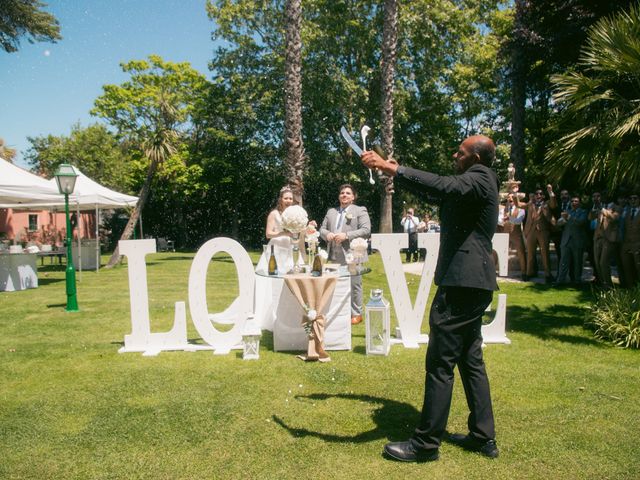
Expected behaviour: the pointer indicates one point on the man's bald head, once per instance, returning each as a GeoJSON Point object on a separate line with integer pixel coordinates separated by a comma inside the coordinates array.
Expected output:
{"type": "Point", "coordinates": [475, 149]}
{"type": "Point", "coordinates": [484, 147]}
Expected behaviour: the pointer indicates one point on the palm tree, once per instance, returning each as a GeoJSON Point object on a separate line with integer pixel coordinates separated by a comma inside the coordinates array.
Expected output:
{"type": "Point", "coordinates": [599, 105]}
{"type": "Point", "coordinates": [6, 151]}
{"type": "Point", "coordinates": [294, 148]}
{"type": "Point", "coordinates": [157, 147]}
{"type": "Point", "coordinates": [389, 43]}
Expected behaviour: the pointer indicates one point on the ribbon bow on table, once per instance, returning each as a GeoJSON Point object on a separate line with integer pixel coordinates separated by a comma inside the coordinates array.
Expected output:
{"type": "Point", "coordinates": [313, 293]}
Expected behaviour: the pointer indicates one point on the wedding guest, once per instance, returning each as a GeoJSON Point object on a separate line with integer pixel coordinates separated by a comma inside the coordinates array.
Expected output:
{"type": "Point", "coordinates": [623, 207]}
{"type": "Point", "coordinates": [574, 238]}
{"type": "Point", "coordinates": [410, 223]}
{"type": "Point", "coordinates": [339, 227]}
{"type": "Point", "coordinates": [537, 230]}
{"type": "Point", "coordinates": [631, 242]}
{"type": "Point", "coordinates": [466, 279]}
{"type": "Point", "coordinates": [594, 213]}
{"type": "Point", "coordinates": [557, 207]}
{"type": "Point", "coordinates": [605, 237]}
{"type": "Point", "coordinates": [423, 227]}
{"type": "Point", "coordinates": [510, 221]}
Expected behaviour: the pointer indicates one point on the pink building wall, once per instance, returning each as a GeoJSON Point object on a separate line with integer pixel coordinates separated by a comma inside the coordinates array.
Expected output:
{"type": "Point", "coordinates": [51, 226]}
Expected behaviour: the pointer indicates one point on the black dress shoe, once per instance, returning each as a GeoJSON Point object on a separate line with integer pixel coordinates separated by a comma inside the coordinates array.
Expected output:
{"type": "Point", "coordinates": [406, 452]}
{"type": "Point", "coordinates": [488, 448]}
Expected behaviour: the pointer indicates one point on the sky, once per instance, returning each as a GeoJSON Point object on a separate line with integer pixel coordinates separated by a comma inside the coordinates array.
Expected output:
{"type": "Point", "coordinates": [46, 87]}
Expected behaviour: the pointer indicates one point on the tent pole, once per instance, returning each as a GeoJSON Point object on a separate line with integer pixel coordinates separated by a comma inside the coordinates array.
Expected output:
{"type": "Point", "coordinates": [97, 238]}
{"type": "Point", "coordinates": [140, 220]}
{"type": "Point", "coordinates": [79, 234]}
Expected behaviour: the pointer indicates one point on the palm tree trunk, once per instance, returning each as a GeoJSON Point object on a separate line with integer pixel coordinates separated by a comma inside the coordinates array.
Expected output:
{"type": "Point", "coordinates": [294, 147]}
{"type": "Point", "coordinates": [135, 215]}
{"type": "Point", "coordinates": [389, 44]}
{"type": "Point", "coordinates": [518, 99]}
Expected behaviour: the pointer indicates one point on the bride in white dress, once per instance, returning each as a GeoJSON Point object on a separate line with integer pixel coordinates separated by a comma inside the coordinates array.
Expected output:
{"type": "Point", "coordinates": [267, 290]}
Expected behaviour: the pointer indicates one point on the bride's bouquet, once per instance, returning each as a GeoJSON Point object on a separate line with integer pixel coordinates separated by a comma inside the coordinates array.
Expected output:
{"type": "Point", "coordinates": [295, 219]}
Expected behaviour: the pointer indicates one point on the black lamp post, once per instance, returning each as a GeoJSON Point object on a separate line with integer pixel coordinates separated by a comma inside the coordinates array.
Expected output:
{"type": "Point", "coordinates": [66, 180]}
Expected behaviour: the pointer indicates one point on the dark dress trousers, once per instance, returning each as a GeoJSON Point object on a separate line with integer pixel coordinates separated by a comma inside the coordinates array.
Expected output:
{"type": "Point", "coordinates": [466, 278]}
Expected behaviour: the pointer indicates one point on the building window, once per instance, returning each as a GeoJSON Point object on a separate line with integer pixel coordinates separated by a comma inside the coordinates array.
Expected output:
{"type": "Point", "coordinates": [33, 222]}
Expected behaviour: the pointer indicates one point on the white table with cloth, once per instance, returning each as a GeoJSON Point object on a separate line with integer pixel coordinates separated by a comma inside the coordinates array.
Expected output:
{"type": "Point", "coordinates": [18, 271]}
{"type": "Point", "coordinates": [284, 314]}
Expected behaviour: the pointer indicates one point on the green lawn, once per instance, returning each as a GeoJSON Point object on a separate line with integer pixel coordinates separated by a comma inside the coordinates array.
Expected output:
{"type": "Point", "coordinates": [71, 406]}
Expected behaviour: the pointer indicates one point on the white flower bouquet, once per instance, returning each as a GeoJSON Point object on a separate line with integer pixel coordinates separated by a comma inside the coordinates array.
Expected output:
{"type": "Point", "coordinates": [359, 248]}
{"type": "Point", "coordinates": [312, 238]}
{"type": "Point", "coordinates": [295, 219]}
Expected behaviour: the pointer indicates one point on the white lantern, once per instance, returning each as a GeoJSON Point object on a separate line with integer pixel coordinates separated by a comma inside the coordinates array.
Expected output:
{"type": "Point", "coordinates": [251, 340]}
{"type": "Point", "coordinates": [377, 324]}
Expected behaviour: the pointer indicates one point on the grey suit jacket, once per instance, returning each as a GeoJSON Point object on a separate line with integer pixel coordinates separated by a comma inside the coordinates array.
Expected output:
{"type": "Point", "coordinates": [356, 224]}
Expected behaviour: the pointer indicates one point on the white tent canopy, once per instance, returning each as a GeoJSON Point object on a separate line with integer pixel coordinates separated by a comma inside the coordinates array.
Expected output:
{"type": "Point", "coordinates": [19, 188]}
{"type": "Point", "coordinates": [22, 189]}
{"type": "Point", "coordinates": [89, 194]}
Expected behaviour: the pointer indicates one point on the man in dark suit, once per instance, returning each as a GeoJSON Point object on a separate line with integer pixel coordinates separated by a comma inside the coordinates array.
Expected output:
{"type": "Point", "coordinates": [466, 278]}
{"type": "Point", "coordinates": [574, 238]}
{"type": "Point", "coordinates": [339, 227]}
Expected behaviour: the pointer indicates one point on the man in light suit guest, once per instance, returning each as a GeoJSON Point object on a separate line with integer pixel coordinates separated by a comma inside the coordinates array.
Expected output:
{"type": "Point", "coordinates": [339, 227]}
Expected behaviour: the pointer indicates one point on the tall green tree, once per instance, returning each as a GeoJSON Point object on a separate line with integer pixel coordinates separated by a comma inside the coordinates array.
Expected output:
{"type": "Point", "coordinates": [342, 82]}
{"type": "Point", "coordinates": [26, 19]}
{"type": "Point", "coordinates": [92, 149]}
{"type": "Point", "coordinates": [540, 45]}
{"type": "Point", "coordinates": [151, 112]}
{"type": "Point", "coordinates": [599, 105]}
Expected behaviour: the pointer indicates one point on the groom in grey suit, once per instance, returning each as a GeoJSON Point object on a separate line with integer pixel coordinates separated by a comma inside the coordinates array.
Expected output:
{"type": "Point", "coordinates": [339, 227]}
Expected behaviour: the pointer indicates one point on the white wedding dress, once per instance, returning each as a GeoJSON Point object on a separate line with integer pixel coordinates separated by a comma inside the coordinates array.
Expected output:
{"type": "Point", "coordinates": [268, 290]}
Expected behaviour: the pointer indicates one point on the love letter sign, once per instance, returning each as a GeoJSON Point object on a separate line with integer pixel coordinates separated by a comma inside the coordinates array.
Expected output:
{"type": "Point", "coordinates": [409, 315]}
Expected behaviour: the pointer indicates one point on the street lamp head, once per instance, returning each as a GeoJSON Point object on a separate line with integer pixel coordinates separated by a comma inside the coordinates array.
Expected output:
{"type": "Point", "coordinates": [66, 178]}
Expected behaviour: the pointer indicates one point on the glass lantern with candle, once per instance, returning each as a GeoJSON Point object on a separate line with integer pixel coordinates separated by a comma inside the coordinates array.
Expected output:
{"type": "Point", "coordinates": [251, 340]}
{"type": "Point", "coordinates": [377, 324]}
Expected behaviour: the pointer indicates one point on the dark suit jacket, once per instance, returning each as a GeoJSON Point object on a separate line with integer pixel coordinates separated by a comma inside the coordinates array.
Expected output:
{"type": "Point", "coordinates": [573, 229]}
{"type": "Point", "coordinates": [468, 219]}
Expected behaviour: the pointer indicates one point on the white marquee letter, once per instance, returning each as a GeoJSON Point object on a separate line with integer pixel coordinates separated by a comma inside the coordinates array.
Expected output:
{"type": "Point", "coordinates": [141, 338]}
{"type": "Point", "coordinates": [238, 311]}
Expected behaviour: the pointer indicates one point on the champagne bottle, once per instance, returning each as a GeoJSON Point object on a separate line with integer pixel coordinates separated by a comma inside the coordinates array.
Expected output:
{"type": "Point", "coordinates": [316, 269]}
{"type": "Point", "coordinates": [378, 149]}
{"type": "Point", "coordinates": [273, 265]}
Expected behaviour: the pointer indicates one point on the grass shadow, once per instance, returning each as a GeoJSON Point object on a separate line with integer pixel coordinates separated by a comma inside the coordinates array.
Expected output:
{"type": "Point", "coordinates": [178, 257]}
{"type": "Point", "coordinates": [267, 340]}
{"type": "Point", "coordinates": [547, 322]}
{"type": "Point", "coordinates": [359, 349]}
{"type": "Point", "coordinates": [390, 419]}
{"type": "Point", "coordinates": [48, 281]}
